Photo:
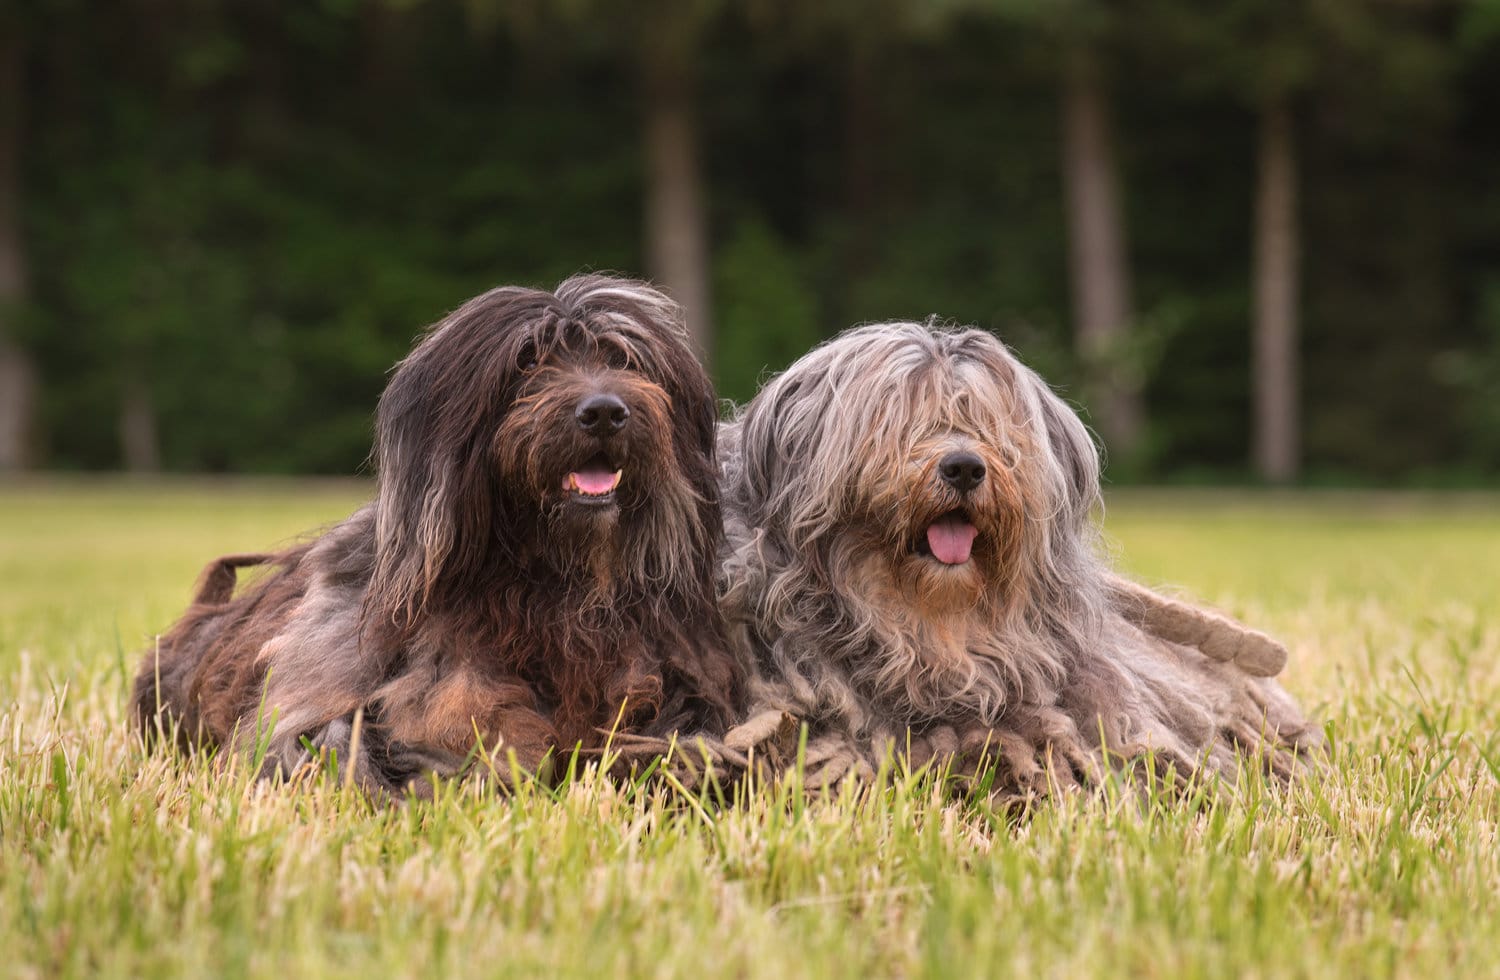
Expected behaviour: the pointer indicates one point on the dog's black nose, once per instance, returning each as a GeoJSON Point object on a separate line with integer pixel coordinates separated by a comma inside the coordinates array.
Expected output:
{"type": "Point", "coordinates": [961, 471]}
{"type": "Point", "coordinates": [601, 415]}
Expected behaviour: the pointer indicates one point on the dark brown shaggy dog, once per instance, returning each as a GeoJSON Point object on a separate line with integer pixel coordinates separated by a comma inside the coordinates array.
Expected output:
{"type": "Point", "coordinates": [537, 565]}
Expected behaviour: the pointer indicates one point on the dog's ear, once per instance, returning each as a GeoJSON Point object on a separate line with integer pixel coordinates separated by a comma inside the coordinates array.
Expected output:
{"type": "Point", "coordinates": [779, 430]}
{"type": "Point", "coordinates": [695, 408]}
{"type": "Point", "coordinates": [1075, 457]}
{"type": "Point", "coordinates": [1071, 457]}
{"type": "Point", "coordinates": [437, 504]}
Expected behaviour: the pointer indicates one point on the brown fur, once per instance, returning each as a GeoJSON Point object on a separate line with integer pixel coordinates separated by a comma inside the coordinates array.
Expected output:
{"type": "Point", "coordinates": [478, 604]}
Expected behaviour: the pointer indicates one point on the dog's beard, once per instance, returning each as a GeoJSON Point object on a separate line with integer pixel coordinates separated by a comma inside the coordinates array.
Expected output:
{"type": "Point", "coordinates": [591, 511]}
{"type": "Point", "coordinates": [579, 525]}
{"type": "Point", "coordinates": [948, 552]}
{"type": "Point", "coordinates": [943, 554]}
{"type": "Point", "coordinates": [584, 513]}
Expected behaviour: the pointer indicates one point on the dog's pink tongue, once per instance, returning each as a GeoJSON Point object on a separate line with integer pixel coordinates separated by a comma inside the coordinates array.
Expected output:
{"type": "Point", "coordinates": [596, 481]}
{"type": "Point", "coordinates": [951, 539]}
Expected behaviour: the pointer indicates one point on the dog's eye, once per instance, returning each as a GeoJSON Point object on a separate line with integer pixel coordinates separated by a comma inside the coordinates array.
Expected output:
{"type": "Point", "coordinates": [617, 357]}
{"type": "Point", "coordinates": [526, 357]}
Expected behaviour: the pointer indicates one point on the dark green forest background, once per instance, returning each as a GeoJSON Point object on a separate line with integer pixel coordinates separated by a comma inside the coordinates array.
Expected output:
{"type": "Point", "coordinates": [1252, 239]}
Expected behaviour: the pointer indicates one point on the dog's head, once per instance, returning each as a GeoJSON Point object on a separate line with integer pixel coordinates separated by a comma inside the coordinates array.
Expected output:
{"type": "Point", "coordinates": [921, 460]}
{"type": "Point", "coordinates": [570, 433]}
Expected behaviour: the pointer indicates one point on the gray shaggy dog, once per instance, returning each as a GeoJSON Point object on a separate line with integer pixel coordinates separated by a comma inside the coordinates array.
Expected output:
{"type": "Point", "coordinates": [913, 566]}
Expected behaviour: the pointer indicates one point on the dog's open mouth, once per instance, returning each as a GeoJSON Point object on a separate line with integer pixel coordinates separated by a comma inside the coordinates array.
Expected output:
{"type": "Point", "coordinates": [594, 482]}
{"type": "Point", "coordinates": [949, 539]}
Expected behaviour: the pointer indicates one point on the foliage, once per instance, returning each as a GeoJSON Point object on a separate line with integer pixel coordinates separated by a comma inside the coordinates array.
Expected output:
{"type": "Point", "coordinates": [250, 209]}
{"type": "Point", "coordinates": [768, 313]}
{"type": "Point", "coordinates": [1476, 374]}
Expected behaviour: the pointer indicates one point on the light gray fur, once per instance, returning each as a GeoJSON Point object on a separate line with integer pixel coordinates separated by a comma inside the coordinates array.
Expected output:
{"type": "Point", "coordinates": [827, 475]}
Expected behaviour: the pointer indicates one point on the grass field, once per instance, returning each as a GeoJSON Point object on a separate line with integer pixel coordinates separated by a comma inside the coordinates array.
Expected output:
{"type": "Point", "coordinates": [116, 862]}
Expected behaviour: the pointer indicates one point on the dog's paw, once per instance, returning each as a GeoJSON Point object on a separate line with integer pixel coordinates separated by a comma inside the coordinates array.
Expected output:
{"type": "Point", "coordinates": [937, 747]}
{"type": "Point", "coordinates": [1251, 650]}
{"type": "Point", "coordinates": [830, 761]}
{"type": "Point", "coordinates": [769, 735]}
{"type": "Point", "coordinates": [690, 759]}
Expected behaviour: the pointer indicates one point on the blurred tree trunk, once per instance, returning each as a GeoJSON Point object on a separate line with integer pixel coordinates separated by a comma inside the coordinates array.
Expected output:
{"type": "Point", "coordinates": [17, 373]}
{"type": "Point", "coordinates": [860, 194]}
{"type": "Point", "coordinates": [138, 438]}
{"type": "Point", "coordinates": [1098, 267]}
{"type": "Point", "coordinates": [385, 31]}
{"type": "Point", "coordinates": [1277, 449]}
{"type": "Point", "coordinates": [676, 224]}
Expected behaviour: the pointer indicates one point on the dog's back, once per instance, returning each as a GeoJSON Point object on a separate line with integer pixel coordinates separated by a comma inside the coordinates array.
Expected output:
{"type": "Point", "coordinates": [212, 650]}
